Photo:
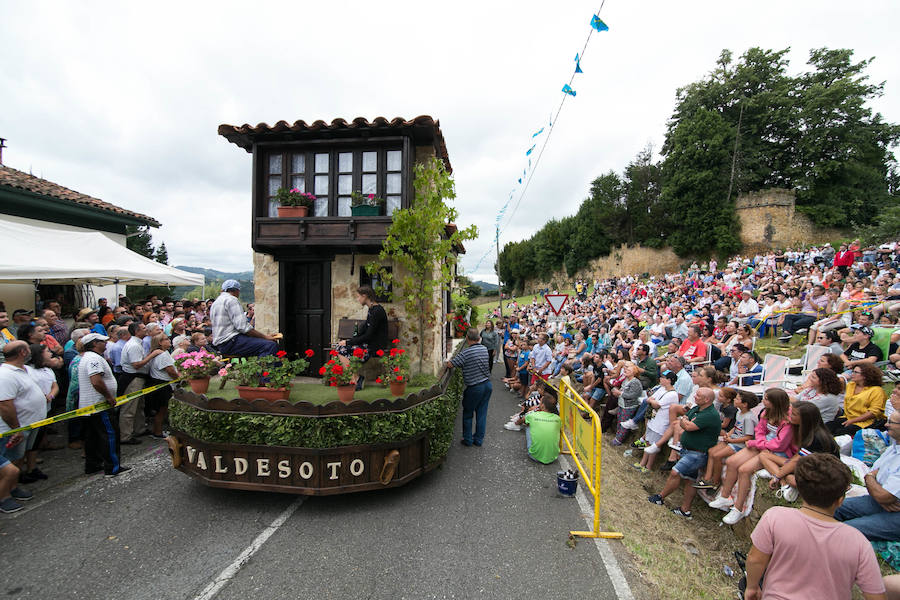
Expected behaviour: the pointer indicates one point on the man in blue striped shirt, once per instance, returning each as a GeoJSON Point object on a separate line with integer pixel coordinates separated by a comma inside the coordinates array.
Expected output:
{"type": "Point", "coordinates": [476, 370]}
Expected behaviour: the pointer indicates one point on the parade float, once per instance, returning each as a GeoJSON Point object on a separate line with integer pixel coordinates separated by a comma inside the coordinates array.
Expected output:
{"type": "Point", "coordinates": [306, 271]}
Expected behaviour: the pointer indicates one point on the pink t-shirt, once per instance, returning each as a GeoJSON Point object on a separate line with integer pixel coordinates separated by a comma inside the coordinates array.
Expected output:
{"type": "Point", "coordinates": [813, 559]}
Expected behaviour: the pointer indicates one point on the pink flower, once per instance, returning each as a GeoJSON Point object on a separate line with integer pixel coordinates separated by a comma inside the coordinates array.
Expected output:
{"type": "Point", "coordinates": [371, 196]}
{"type": "Point", "coordinates": [295, 191]}
{"type": "Point", "coordinates": [223, 372]}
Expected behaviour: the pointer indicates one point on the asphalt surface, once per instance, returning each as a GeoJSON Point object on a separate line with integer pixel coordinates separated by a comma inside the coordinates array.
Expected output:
{"type": "Point", "coordinates": [487, 524]}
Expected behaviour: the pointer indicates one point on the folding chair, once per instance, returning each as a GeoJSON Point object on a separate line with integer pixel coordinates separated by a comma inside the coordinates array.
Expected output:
{"type": "Point", "coordinates": [806, 363]}
{"type": "Point", "coordinates": [774, 371]}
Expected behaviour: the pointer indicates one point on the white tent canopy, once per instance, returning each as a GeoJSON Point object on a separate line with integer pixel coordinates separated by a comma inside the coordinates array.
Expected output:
{"type": "Point", "coordinates": [53, 256]}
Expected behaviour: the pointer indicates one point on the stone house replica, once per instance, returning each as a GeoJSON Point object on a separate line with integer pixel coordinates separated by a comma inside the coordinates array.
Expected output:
{"type": "Point", "coordinates": [306, 269]}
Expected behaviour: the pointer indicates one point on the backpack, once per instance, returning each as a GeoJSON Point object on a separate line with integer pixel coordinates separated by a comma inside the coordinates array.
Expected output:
{"type": "Point", "coordinates": [868, 445]}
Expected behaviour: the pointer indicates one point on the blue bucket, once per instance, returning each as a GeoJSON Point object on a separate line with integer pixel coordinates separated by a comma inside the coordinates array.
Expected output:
{"type": "Point", "coordinates": [566, 487]}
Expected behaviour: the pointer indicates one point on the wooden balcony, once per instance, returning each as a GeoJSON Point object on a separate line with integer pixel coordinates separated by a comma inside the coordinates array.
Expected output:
{"type": "Point", "coordinates": [353, 233]}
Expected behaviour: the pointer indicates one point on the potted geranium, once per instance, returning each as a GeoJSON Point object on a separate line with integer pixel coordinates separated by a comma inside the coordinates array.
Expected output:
{"type": "Point", "coordinates": [460, 325]}
{"type": "Point", "coordinates": [365, 205]}
{"type": "Point", "coordinates": [266, 377]}
{"type": "Point", "coordinates": [335, 374]}
{"type": "Point", "coordinates": [395, 368]}
{"type": "Point", "coordinates": [198, 367]}
{"type": "Point", "coordinates": [293, 202]}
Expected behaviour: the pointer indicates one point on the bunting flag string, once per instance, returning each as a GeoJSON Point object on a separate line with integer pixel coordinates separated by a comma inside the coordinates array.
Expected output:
{"type": "Point", "coordinates": [597, 25]}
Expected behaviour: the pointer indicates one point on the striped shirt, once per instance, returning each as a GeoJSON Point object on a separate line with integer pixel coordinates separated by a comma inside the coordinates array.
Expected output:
{"type": "Point", "coordinates": [474, 363]}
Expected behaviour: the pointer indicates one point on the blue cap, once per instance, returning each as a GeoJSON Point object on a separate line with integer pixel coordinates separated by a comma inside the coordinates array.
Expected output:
{"type": "Point", "coordinates": [231, 284]}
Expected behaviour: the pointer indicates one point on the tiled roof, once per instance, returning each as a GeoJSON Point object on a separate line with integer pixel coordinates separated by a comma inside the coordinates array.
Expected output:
{"type": "Point", "coordinates": [14, 178]}
{"type": "Point", "coordinates": [424, 128]}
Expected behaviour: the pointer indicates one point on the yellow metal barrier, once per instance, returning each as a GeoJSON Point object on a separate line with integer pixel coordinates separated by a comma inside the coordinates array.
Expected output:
{"type": "Point", "coordinates": [582, 441]}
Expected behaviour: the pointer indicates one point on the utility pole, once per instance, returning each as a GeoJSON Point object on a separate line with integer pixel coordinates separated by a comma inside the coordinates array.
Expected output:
{"type": "Point", "coordinates": [2, 146]}
{"type": "Point", "coordinates": [499, 286]}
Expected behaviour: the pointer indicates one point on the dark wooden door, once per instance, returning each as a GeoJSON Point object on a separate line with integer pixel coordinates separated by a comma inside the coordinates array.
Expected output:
{"type": "Point", "coordinates": [306, 308]}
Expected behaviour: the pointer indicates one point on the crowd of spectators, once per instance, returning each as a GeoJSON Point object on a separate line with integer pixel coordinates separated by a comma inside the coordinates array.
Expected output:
{"type": "Point", "coordinates": [52, 362]}
{"type": "Point", "coordinates": [672, 364]}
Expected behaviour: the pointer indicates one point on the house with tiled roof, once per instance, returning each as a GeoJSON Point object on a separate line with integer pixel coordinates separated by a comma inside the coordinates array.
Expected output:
{"type": "Point", "coordinates": [32, 201]}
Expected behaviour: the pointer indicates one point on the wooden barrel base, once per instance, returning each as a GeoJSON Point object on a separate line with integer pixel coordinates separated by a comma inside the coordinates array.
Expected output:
{"type": "Point", "coordinates": [309, 471]}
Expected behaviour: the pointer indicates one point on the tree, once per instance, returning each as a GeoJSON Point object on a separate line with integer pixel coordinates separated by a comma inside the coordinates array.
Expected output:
{"type": "Point", "coordinates": [420, 244]}
{"type": "Point", "coordinates": [138, 239]}
{"type": "Point", "coordinates": [162, 255]}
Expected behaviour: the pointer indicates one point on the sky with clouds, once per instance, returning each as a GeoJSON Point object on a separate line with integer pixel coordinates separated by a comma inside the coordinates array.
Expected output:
{"type": "Point", "coordinates": [122, 100]}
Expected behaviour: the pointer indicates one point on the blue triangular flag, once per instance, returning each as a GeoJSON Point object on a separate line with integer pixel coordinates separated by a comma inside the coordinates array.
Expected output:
{"type": "Point", "coordinates": [520, 180]}
{"type": "Point", "coordinates": [576, 57]}
{"type": "Point", "coordinates": [568, 90]}
{"type": "Point", "coordinates": [539, 132]}
{"type": "Point", "coordinates": [597, 24]}
{"type": "Point", "coordinates": [578, 68]}
{"type": "Point", "coordinates": [530, 150]}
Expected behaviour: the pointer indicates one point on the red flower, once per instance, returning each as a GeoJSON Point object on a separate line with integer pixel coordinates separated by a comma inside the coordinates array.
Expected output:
{"type": "Point", "coordinates": [265, 373]}
{"type": "Point", "coordinates": [333, 353]}
{"type": "Point", "coordinates": [330, 362]}
{"type": "Point", "coordinates": [337, 370]}
{"type": "Point", "coordinates": [378, 380]}
{"type": "Point", "coordinates": [309, 353]}
{"type": "Point", "coordinates": [379, 353]}
{"type": "Point", "coordinates": [401, 350]}
{"type": "Point", "coordinates": [395, 341]}
{"type": "Point", "coordinates": [359, 352]}
{"type": "Point", "coordinates": [399, 377]}
{"type": "Point", "coordinates": [393, 352]}
{"type": "Point", "coordinates": [396, 369]}
{"type": "Point", "coordinates": [281, 354]}
{"type": "Point", "coordinates": [322, 371]}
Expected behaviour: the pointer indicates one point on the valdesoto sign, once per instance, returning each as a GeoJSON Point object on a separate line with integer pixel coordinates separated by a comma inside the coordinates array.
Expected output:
{"type": "Point", "coordinates": [300, 470]}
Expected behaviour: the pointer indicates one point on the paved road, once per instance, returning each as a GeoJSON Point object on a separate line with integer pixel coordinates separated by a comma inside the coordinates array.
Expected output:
{"type": "Point", "coordinates": [488, 524]}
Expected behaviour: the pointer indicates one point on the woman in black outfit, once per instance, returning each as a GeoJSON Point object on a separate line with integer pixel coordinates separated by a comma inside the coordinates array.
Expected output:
{"type": "Point", "coordinates": [372, 336]}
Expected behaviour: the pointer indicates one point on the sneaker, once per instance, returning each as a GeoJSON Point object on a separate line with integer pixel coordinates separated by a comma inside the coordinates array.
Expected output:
{"type": "Point", "coordinates": [651, 449]}
{"type": "Point", "coordinates": [655, 499]}
{"type": "Point", "coordinates": [628, 452]}
{"type": "Point", "coordinates": [721, 503]}
{"type": "Point", "coordinates": [511, 426]}
{"type": "Point", "coordinates": [27, 478]}
{"type": "Point", "coordinates": [35, 472]}
{"type": "Point", "coordinates": [629, 424]}
{"type": "Point", "coordinates": [785, 338]}
{"type": "Point", "coordinates": [20, 494]}
{"type": "Point", "coordinates": [640, 443]}
{"type": "Point", "coordinates": [801, 331]}
{"type": "Point", "coordinates": [613, 412]}
{"type": "Point", "coordinates": [122, 469]}
{"type": "Point", "coordinates": [676, 446]}
{"type": "Point", "coordinates": [161, 436]}
{"type": "Point", "coordinates": [10, 506]}
{"type": "Point", "coordinates": [667, 466]}
{"type": "Point", "coordinates": [704, 485]}
{"type": "Point", "coordinates": [787, 493]}
{"type": "Point", "coordinates": [465, 442]}
{"type": "Point", "coordinates": [734, 515]}
{"type": "Point", "coordinates": [687, 515]}
{"type": "Point", "coordinates": [640, 467]}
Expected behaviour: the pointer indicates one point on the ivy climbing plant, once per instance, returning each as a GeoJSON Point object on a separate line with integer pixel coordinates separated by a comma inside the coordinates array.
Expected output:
{"type": "Point", "coordinates": [421, 245]}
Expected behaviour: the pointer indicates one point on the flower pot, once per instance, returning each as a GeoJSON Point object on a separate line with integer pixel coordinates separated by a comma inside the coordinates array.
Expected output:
{"type": "Point", "coordinates": [365, 211]}
{"type": "Point", "coordinates": [199, 386]}
{"type": "Point", "coordinates": [293, 211]}
{"type": "Point", "coordinates": [271, 394]}
{"type": "Point", "coordinates": [345, 393]}
{"type": "Point", "coordinates": [398, 388]}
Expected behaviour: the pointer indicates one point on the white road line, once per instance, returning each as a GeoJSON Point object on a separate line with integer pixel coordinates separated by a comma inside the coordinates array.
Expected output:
{"type": "Point", "coordinates": [231, 570]}
{"type": "Point", "coordinates": [620, 584]}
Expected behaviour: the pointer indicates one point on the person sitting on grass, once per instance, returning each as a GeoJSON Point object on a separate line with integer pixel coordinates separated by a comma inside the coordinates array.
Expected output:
{"type": "Point", "coordinates": [805, 554]}
{"type": "Point", "coordinates": [864, 401]}
{"type": "Point", "coordinates": [664, 397]}
{"type": "Point", "coordinates": [542, 431]}
{"type": "Point", "coordinates": [701, 427]}
{"type": "Point", "coordinates": [812, 437]}
{"type": "Point", "coordinates": [775, 433]}
{"type": "Point", "coordinates": [734, 440]}
{"type": "Point", "coordinates": [877, 515]}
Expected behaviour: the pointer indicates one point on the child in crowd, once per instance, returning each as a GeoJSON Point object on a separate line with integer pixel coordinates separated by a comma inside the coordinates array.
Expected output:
{"type": "Point", "coordinates": [734, 439]}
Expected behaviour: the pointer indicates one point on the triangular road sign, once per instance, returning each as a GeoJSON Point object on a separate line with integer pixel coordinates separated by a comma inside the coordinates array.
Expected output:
{"type": "Point", "coordinates": [557, 301]}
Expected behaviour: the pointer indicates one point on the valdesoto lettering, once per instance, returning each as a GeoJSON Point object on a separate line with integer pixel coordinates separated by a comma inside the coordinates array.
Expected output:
{"type": "Point", "coordinates": [332, 468]}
